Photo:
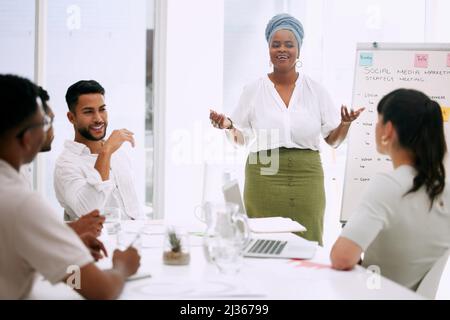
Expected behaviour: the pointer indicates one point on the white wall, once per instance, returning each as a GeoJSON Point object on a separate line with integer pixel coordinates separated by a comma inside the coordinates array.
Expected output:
{"type": "Point", "coordinates": [193, 85]}
{"type": "Point", "coordinates": [438, 22]}
{"type": "Point", "coordinates": [17, 32]}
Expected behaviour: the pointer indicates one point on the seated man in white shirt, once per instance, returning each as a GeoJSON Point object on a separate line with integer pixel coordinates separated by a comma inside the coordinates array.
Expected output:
{"type": "Point", "coordinates": [93, 173]}
{"type": "Point", "coordinates": [91, 222]}
{"type": "Point", "coordinates": [32, 238]}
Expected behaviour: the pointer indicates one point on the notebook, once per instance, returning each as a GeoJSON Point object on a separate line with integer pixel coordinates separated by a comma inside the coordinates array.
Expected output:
{"type": "Point", "coordinates": [274, 225]}
{"type": "Point", "coordinates": [271, 248]}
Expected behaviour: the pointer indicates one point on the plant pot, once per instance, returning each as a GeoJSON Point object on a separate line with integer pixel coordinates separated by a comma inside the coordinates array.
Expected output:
{"type": "Point", "coordinates": [176, 258]}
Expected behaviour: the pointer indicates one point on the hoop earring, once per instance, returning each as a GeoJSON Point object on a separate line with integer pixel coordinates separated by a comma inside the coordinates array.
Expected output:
{"type": "Point", "coordinates": [298, 63]}
{"type": "Point", "coordinates": [270, 64]}
{"type": "Point", "coordinates": [384, 141]}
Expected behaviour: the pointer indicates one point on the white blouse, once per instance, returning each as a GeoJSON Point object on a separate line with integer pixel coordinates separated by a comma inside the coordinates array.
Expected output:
{"type": "Point", "coordinates": [399, 232]}
{"type": "Point", "coordinates": [266, 123]}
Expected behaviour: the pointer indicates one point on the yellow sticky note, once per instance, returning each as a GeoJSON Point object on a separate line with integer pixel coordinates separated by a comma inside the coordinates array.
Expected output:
{"type": "Point", "coordinates": [445, 113]}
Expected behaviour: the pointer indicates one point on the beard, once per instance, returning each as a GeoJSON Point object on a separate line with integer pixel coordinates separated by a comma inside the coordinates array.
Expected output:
{"type": "Point", "coordinates": [87, 135]}
{"type": "Point", "coordinates": [47, 146]}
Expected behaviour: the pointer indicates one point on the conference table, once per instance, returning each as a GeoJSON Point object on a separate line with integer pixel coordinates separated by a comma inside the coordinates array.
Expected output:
{"type": "Point", "coordinates": [258, 278]}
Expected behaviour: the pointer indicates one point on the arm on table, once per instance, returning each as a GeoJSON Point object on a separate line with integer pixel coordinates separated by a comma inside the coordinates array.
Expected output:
{"type": "Point", "coordinates": [108, 284]}
{"type": "Point", "coordinates": [345, 254]}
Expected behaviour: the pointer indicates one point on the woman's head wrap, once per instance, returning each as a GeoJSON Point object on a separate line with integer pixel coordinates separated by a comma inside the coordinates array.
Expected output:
{"type": "Point", "coordinates": [285, 21]}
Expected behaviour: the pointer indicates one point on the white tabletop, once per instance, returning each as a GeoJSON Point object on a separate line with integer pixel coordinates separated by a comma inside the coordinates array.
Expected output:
{"type": "Point", "coordinates": [258, 278]}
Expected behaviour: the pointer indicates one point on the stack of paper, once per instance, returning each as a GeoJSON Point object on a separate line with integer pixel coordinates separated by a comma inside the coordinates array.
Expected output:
{"type": "Point", "coordinates": [275, 225]}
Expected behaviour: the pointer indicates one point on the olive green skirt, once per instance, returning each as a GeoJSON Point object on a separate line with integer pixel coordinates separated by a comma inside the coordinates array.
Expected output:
{"type": "Point", "coordinates": [292, 188]}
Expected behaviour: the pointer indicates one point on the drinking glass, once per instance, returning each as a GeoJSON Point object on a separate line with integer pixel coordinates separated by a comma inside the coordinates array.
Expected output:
{"type": "Point", "coordinates": [225, 236]}
{"type": "Point", "coordinates": [112, 219]}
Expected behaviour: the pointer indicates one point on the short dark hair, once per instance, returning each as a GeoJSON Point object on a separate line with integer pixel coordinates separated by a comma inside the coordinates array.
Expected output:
{"type": "Point", "coordinates": [17, 101]}
{"type": "Point", "coordinates": [43, 94]}
{"type": "Point", "coordinates": [79, 88]}
{"type": "Point", "coordinates": [419, 124]}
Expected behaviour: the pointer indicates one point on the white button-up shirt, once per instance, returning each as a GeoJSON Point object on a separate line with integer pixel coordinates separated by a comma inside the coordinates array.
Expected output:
{"type": "Point", "coordinates": [80, 189]}
{"type": "Point", "coordinates": [32, 238]}
{"type": "Point", "coordinates": [266, 123]}
{"type": "Point", "coordinates": [26, 172]}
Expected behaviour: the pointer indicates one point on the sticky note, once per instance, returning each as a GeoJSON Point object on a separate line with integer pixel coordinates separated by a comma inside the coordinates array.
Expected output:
{"type": "Point", "coordinates": [366, 59]}
{"type": "Point", "coordinates": [448, 60]}
{"type": "Point", "coordinates": [445, 113]}
{"type": "Point", "coordinates": [421, 61]}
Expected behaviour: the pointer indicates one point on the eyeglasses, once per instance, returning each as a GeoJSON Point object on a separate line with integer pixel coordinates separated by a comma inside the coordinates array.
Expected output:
{"type": "Point", "coordinates": [46, 124]}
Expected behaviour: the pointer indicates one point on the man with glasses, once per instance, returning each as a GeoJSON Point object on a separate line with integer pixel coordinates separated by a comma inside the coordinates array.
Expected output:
{"type": "Point", "coordinates": [45, 124]}
{"type": "Point", "coordinates": [91, 222]}
{"type": "Point", "coordinates": [26, 170]}
{"type": "Point", "coordinates": [32, 238]}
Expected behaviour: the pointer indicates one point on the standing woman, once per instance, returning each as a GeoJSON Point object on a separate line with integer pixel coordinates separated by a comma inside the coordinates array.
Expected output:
{"type": "Point", "coordinates": [281, 117]}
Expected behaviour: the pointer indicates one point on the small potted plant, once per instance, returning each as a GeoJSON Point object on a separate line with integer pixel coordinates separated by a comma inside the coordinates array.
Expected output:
{"type": "Point", "coordinates": [176, 251]}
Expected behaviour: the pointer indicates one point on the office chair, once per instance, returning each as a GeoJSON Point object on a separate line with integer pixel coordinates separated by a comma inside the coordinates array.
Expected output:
{"type": "Point", "coordinates": [430, 283]}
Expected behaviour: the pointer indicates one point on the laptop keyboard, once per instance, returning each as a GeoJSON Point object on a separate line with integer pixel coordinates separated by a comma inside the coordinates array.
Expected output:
{"type": "Point", "coordinates": [263, 246]}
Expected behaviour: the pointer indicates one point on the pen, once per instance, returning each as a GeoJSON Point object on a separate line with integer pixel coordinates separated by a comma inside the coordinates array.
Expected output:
{"type": "Point", "coordinates": [139, 276]}
{"type": "Point", "coordinates": [134, 240]}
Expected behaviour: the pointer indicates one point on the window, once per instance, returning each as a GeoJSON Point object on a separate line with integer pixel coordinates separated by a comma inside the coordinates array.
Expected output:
{"type": "Point", "coordinates": [149, 99]}
{"type": "Point", "coordinates": [17, 34]}
{"type": "Point", "coordinates": [102, 40]}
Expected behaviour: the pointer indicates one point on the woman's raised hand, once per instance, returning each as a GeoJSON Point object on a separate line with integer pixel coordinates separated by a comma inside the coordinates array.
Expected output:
{"type": "Point", "coordinates": [349, 117]}
{"type": "Point", "coordinates": [219, 120]}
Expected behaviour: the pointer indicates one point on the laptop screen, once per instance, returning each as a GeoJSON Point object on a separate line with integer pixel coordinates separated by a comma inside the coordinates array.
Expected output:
{"type": "Point", "coordinates": [232, 193]}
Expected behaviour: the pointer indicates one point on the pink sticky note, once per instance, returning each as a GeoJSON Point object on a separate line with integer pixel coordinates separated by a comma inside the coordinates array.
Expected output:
{"type": "Point", "coordinates": [421, 61]}
{"type": "Point", "coordinates": [448, 60]}
{"type": "Point", "coordinates": [299, 263]}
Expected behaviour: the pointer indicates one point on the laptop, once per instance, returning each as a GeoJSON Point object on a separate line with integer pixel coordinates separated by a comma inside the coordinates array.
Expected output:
{"type": "Point", "coordinates": [269, 248]}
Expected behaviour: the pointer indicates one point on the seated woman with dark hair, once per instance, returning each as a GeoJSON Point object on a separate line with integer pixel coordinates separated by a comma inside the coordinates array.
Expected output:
{"type": "Point", "coordinates": [403, 222]}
